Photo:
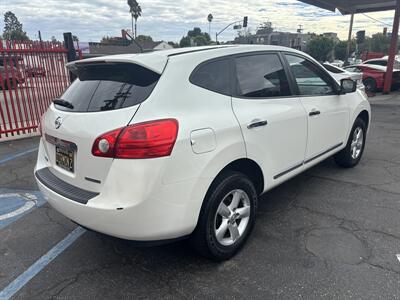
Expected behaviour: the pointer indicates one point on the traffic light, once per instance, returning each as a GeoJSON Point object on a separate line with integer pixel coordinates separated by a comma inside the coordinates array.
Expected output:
{"type": "Point", "coordinates": [360, 37]}
{"type": "Point", "coordinates": [245, 22]}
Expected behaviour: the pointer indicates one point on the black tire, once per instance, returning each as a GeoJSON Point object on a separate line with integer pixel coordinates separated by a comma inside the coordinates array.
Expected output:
{"type": "Point", "coordinates": [345, 158]}
{"type": "Point", "coordinates": [370, 84]}
{"type": "Point", "coordinates": [204, 239]}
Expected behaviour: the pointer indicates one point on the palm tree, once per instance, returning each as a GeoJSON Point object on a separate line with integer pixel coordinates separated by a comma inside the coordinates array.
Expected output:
{"type": "Point", "coordinates": [136, 12]}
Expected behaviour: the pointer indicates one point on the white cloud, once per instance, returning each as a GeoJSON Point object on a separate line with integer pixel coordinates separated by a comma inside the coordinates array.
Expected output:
{"type": "Point", "coordinates": [170, 20]}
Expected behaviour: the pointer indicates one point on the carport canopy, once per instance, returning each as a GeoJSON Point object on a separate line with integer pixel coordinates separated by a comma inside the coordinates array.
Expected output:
{"type": "Point", "coordinates": [347, 7]}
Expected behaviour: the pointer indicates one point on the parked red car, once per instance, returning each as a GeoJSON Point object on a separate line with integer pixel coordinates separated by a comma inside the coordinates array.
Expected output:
{"type": "Point", "coordinates": [35, 71]}
{"type": "Point", "coordinates": [10, 78]}
{"type": "Point", "coordinates": [374, 76]}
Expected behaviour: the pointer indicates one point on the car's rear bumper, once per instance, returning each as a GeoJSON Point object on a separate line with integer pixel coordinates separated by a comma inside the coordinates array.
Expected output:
{"type": "Point", "coordinates": [132, 203]}
{"type": "Point", "coordinates": [145, 220]}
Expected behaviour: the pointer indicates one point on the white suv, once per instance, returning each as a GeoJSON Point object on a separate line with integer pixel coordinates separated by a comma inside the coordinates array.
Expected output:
{"type": "Point", "coordinates": [181, 143]}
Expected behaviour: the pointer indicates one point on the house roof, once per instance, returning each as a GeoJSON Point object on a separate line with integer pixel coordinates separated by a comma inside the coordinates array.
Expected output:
{"type": "Point", "coordinates": [353, 7]}
{"type": "Point", "coordinates": [149, 45]}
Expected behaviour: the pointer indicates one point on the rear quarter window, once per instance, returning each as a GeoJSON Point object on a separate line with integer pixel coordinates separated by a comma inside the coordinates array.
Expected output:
{"type": "Point", "coordinates": [213, 76]}
{"type": "Point", "coordinates": [108, 86]}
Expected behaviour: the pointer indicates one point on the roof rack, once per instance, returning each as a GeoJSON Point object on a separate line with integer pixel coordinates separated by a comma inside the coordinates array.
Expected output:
{"type": "Point", "coordinates": [198, 50]}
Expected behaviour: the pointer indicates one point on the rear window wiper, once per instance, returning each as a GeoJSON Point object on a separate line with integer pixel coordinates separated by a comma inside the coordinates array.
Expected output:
{"type": "Point", "coordinates": [63, 102]}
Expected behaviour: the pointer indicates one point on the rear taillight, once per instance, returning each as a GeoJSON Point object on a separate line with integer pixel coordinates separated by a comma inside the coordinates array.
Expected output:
{"type": "Point", "coordinates": [143, 140]}
{"type": "Point", "coordinates": [104, 145]}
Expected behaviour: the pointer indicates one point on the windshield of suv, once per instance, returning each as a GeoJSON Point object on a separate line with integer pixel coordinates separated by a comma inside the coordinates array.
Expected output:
{"type": "Point", "coordinates": [108, 86]}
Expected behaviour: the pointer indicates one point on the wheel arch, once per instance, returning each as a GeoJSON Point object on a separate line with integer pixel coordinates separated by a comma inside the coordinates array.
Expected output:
{"type": "Point", "coordinates": [364, 115]}
{"type": "Point", "coordinates": [249, 168]}
{"type": "Point", "coordinates": [246, 166]}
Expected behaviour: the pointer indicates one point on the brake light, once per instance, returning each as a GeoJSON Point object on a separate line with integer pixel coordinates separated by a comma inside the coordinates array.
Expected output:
{"type": "Point", "coordinates": [143, 140]}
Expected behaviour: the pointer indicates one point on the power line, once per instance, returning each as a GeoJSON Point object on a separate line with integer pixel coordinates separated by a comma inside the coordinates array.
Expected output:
{"type": "Point", "coordinates": [376, 20]}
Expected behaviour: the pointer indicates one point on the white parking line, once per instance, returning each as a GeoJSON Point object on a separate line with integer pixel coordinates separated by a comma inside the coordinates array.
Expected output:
{"type": "Point", "coordinates": [15, 204]}
{"type": "Point", "coordinates": [40, 264]}
{"type": "Point", "coordinates": [30, 202]}
{"type": "Point", "coordinates": [19, 154]}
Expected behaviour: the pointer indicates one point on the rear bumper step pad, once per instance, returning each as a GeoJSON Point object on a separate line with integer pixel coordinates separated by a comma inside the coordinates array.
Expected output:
{"type": "Point", "coordinates": [63, 188]}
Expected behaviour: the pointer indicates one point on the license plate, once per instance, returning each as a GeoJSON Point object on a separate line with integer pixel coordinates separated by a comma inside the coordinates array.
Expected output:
{"type": "Point", "coordinates": [65, 158]}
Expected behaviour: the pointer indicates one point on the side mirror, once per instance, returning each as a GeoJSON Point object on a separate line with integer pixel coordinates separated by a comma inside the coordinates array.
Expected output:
{"type": "Point", "coordinates": [347, 86]}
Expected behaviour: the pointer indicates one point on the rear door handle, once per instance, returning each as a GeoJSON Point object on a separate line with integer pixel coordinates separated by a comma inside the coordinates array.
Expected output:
{"type": "Point", "coordinates": [314, 112]}
{"type": "Point", "coordinates": [257, 123]}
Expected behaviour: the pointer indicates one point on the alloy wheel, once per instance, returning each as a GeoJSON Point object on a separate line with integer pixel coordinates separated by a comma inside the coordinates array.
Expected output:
{"type": "Point", "coordinates": [357, 143]}
{"type": "Point", "coordinates": [232, 217]}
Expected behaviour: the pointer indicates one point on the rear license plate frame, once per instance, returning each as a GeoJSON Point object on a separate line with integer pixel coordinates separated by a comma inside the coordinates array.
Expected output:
{"type": "Point", "coordinates": [65, 158]}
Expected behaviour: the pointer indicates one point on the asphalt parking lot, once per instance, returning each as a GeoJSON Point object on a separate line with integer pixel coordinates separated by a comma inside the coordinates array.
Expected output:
{"type": "Point", "coordinates": [329, 233]}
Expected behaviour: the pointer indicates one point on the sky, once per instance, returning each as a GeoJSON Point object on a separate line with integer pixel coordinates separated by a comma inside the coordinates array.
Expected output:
{"type": "Point", "coordinates": [90, 20]}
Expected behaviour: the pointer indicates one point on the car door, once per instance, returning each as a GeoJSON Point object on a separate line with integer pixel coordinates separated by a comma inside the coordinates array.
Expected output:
{"type": "Point", "coordinates": [272, 120]}
{"type": "Point", "coordinates": [328, 112]}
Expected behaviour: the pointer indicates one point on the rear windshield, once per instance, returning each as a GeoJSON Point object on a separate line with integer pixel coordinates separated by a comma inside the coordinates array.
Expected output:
{"type": "Point", "coordinates": [108, 86]}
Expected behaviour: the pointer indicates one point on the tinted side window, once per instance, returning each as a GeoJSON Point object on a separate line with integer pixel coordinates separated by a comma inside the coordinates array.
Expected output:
{"type": "Point", "coordinates": [310, 79]}
{"type": "Point", "coordinates": [213, 76]}
{"type": "Point", "coordinates": [261, 75]}
{"type": "Point", "coordinates": [109, 86]}
{"type": "Point", "coordinates": [378, 63]}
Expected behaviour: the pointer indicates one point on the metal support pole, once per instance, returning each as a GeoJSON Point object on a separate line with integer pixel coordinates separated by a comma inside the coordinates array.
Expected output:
{"type": "Point", "coordinates": [349, 39]}
{"type": "Point", "coordinates": [71, 54]}
{"type": "Point", "coordinates": [218, 33]}
{"type": "Point", "coordinates": [393, 50]}
{"type": "Point", "coordinates": [40, 39]}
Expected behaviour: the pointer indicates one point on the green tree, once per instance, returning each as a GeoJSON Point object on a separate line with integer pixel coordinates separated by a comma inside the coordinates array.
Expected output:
{"type": "Point", "coordinates": [144, 38]}
{"type": "Point", "coordinates": [320, 48]}
{"type": "Point", "coordinates": [136, 12]}
{"type": "Point", "coordinates": [200, 40]}
{"type": "Point", "coordinates": [341, 49]}
{"type": "Point", "coordinates": [13, 28]}
{"type": "Point", "coordinates": [196, 37]}
{"type": "Point", "coordinates": [378, 43]}
{"type": "Point", "coordinates": [185, 42]}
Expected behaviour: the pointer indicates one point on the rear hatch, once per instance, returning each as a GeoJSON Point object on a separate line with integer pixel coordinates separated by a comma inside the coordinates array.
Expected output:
{"type": "Point", "coordinates": [104, 97]}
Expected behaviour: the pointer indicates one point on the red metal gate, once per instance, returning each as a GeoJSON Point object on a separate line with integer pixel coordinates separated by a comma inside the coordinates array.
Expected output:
{"type": "Point", "coordinates": [32, 74]}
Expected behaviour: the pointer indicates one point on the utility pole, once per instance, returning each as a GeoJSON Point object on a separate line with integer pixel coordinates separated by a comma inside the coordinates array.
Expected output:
{"type": "Point", "coordinates": [71, 53]}
{"type": "Point", "coordinates": [209, 19]}
{"type": "Point", "coordinates": [346, 62]}
{"type": "Point", "coordinates": [300, 29]}
{"type": "Point", "coordinates": [40, 39]}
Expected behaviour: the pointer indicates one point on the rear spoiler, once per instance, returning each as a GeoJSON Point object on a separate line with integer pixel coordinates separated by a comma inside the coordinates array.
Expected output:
{"type": "Point", "coordinates": [153, 62]}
